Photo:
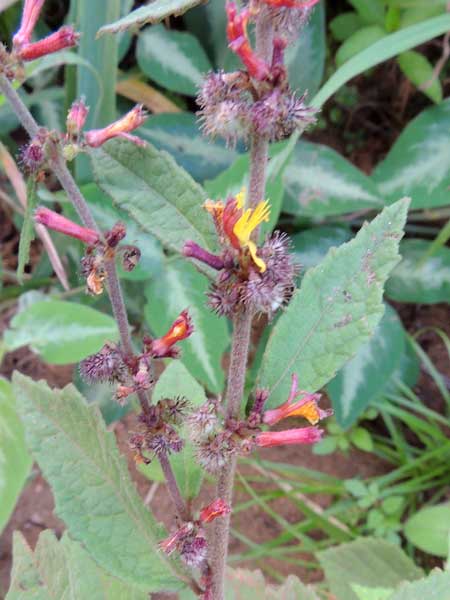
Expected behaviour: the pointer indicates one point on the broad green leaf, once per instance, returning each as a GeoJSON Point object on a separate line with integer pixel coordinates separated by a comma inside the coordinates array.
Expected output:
{"type": "Point", "coordinates": [366, 375]}
{"type": "Point", "coordinates": [8, 118]}
{"type": "Point", "coordinates": [418, 164]}
{"type": "Point", "coordinates": [434, 587]}
{"type": "Point", "coordinates": [61, 332]}
{"type": "Point", "coordinates": [336, 309]}
{"type": "Point", "coordinates": [94, 494]}
{"type": "Point", "coordinates": [179, 135]}
{"type": "Point", "coordinates": [367, 562]}
{"type": "Point", "coordinates": [359, 41]}
{"type": "Point", "coordinates": [344, 25]}
{"type": "Point", "coordinates": [158, 194]}
{"type": "Point", "coordinates": [208, 22]}
{"type": "Point", "coordinates": [429, 529]}
{"type": "Point", "coordinates": [390, 46]}
{"type": "Point", "coordinates": [242, 584]}
{"type": "Point", "coordinates": [27, 231]}
{"type": "Point", "coordinates": [104, 212]}
{"type": "Point", "coordinates": [152, 13]}
{"type": "Point", "coordinates": [319, 182]}
{"type": "Point", "coordinates": [62, 570]}
{"type": "Point", "coordinates": [177, 381]}
{"type": "Point", "coordinates": [305, 58]}
{"type": "Point", "coordinates": [311, 246]}
{"type": "Point", "coordinates": [376, 593]}
{"type": "Point", "coordinates": [370, 11]}
{"type": "Point", "coordinates": [420, 72]}
{"type": "Point", "coordinates": [419, 279]}
{"type": "Point", "coordinates": [15, 461]}
{"type": "Point", "coordinates": [174, 59]}
{"type": "Point", "coordinates": [417, 14]}
{"type": "Point", "coordinates": [179, 287]}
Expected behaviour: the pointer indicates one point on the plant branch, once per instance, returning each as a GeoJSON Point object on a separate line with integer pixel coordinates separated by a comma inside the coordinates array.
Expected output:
{"type": "Point", "coordinates": [58, 165]}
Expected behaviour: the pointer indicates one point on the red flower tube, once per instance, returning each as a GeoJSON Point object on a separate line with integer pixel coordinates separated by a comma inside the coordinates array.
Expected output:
{"type": "Point", "coordinates": [218, 508]}
{"type": "Point", "coordinates": [304, 435]}
{"type": "Point", "coordinates": [30, 16]}
{"type": "Point", "coordinates": [131, 121]}
{"type": "Point", "coordinates": [180, 330]}
{"type": "Point", "coordinates": [292, 3]}
{"type": "Point", "coordinates": [66, 37]}
{"type": "Point", "coordinates": [57, 222]}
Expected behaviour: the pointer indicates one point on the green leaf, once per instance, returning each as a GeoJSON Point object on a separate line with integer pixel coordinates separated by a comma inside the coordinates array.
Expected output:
{"type": "Point", "coordinates": [94, 494]}
{"type": "Point", "coordinates": [179, 135]}
{"type": "Point", "coordinates": [319, 182]}
{"type": "Point", "coordinates": [208, 22]}
{"type": "Point", "coordinates": [359, 41]}
{"type": "Point", "coordinates": [420, 72]}
{"type": "Point", "coordinates": [344, 25]}
{"type": "Point", "coordinates": [312, 245]}
{"type": "Point", "coordinates": [305, 58]}
{"type": "Point", "coordinates": [27, 231]}
{"type": "Point", "coordinates": [326, 446]}
{"type": "Point", "coordinates": [336, 309]}
{"type": "Point", "coordinates": [417, 14]}
{"type": "Point", "coordinates": [367, 562]}
{"type": "Point", "coordinates": [61, 570]}
{"type": "Point", "coordinates": [174, 59]}
{"type": "Point", "coordinates": [377, 593]}
{"type": "Point", "coordinates": [242, 584]}
{"type": "Point", "coordinates": [419, 281]}
{"type": "Point", "coordinates": [390, 46]}
{"type": "Point", "coordinates": [362, 439]}
{"type": "Point", "coordinates": [60, 332]}
{"type": "Point", "coordinates": [15, 462]}
{"type": "Point", "coordinates": [429, 529]}
{"type": "Point", "coordinates": [366, 375]}
{"type": "Point", "coordinates": [158, 194]}
{"type": "Point", "coordinates": [418, 164]}
{"type": "Point", "coordinates": [153, 13]}
{"type": "Point", "coordinates": [370, 11]}
{"type": "Point", "coordinates": [179, 287]}
{"type": "Point", "coordinates": [434, 587]}
{"type": "Point", "coordinates": [177, 381]}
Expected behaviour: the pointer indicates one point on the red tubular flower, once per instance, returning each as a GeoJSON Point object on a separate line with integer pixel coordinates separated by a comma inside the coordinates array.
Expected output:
{"type": "Point", "coordinates": [193, 250]}
{"type": "Point", "coordinates": [306, 407]}
{"type": "Point", "coordinates": [292, 3]}
{"type": "Point", "coordinates": [57, 222]}
{"type": "Point", "coordinates": [218, 508]}
{"type": "Point", "coordinates": [76, 118]}
{"type": "Point", "coordinates": [66, 37]}
{"type": "Point", "coordinates": [304, 435]}
{"type": "Point", "coordinates": [121, 128]}
{"type": "Point", "coordinates": [30, 15]}
{"type": "Point", "coordinates": [239, 42]}
{"type": "Point", "coordinates": [181, 329]}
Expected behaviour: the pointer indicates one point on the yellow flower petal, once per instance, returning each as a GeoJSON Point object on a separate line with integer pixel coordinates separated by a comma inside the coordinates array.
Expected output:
{"type": "Point", "coordinates": [309, 411]}
{"type": "Point", "coordinates": [256, 259]}
{"type": "Point", "coordinates": [240, 198]}
{"type": "Point", "coordinates": [250, 220]}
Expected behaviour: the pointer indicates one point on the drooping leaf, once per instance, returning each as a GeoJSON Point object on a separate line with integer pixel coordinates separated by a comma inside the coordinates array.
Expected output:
{"type": "Point", "coordinates": [27, 232]}
{"type": "Point", "coordinates": [176, 381]}
{"type": "Point", "coordinates": [174, 59]}
{"type": "Point", "coordinates": [367, 562]}
{"type": "Point", "coordinates": [94, 494]}
{"type": "Point", "coordinates": [15, 461]}
{"type": "Point", "coordinates": [319, 182]}
{"type": "Point", "coordinates": [61, 332]}
{"type": "Point", "coordinates": [434, 587]}
{"type": "Point", "coordinates": [62, 570]}
{"type": "Point", "coordinates": [420, 72]}
{"type": "Point", "coordinates": [366, 375]}
{"type": "Point", "coordinates": [179, 135]}
{"type": "Point", "coordinates": [242, 584]}
{"type": "Point", "coordinates": [158, 194]}
{"type": "Point", "coordinates": [151, 13]}
{"type": "Point", "coordinates": [179, 287]}
{"type": "Point", "coordinates": [336, 309]}
{"type": "Point", "coordinates": [418, 164]}
{"type": "Point", "coordinates": [429, 529]}
{"type": "Point", "coordinates": [420, 279]}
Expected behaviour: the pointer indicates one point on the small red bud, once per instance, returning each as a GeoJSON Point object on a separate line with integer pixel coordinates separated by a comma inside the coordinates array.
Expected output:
{"type": "Point", "coordinates": [66, 37]}
{"type": "Point", "coordinates": [57, 222]}
{"type": "Point", "coordinates": [180, 330]}
{"type": "Point", "coordinates": [121, 128]}
{"type": "Point", "coordinates": [76, 117]}
{"type": "Point", "coordinates": [30, 15]}
{"type": "Point", "coordinates": [218, 508]}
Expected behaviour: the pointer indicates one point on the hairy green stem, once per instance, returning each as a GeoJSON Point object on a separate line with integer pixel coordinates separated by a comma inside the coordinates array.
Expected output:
{"type": "Point", "coordinates": [58, 165]}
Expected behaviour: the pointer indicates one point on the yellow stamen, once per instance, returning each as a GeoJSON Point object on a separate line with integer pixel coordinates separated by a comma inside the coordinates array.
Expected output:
{"type": "Point", "coordinates": [240, 199]}
{"type": "Point", "coordinates": [247, 223]}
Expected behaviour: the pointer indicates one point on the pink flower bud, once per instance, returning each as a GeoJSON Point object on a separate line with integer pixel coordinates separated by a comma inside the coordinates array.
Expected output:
{"type": "Point", "coordinates": [193, 250]}
{"type": "Point", "coordinates": [65, 37]}
{"type": "Point", "coordinates": [218, 508]}
{"type": "Point", "coordinates": [76, 117]}
{"type": "Point", "coordinates": [30, 15]}
{"type": "Point", "coordinates": [131, 121]}
{"type": "Point", "coordinates": [57, 222]}
{"type": "Point", "coordinates": [306, 4]}
{"type": "Point", "coordinates": [305, 435]}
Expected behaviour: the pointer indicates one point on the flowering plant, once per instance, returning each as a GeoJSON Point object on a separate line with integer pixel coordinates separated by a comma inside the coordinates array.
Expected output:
{"type": "Point", "coordinates": [251, 277]}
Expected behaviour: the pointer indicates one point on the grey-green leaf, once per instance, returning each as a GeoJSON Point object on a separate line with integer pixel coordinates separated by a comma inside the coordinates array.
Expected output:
{"type": "Point", "coordinates": [434, 587]}
{"type": "Point", "coordinates": [152, 13]}
{"type": "Point", "coordinates": [61, 332]}
{"type": "Point", "coordinates": [429, 529]}
{"type": "Point", "coordinates": [94, 494]}
{"type": "Point", "coordinates": [418, 164]}
{"type": "Point", "coordinates": [158, 194]}
{"type": "Point", "coordinates": [365, 376]}
{"type": "Point", "coordinates": [179, 287]}
{"type": "Point", "coordinates": [367, 562]}
{"type": "Point", "coordinates": [242, 584]}
{"type": "Point", "coordinates": [174, 59]}
{"type": "Point", "coordinates": [420, 279]}
{"type": "Point", "coordinates": [321, 183]}
{"type": "Point", "coordinates": [336, 309]}
{"type": "Point", "coordinates": [15, 461]}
